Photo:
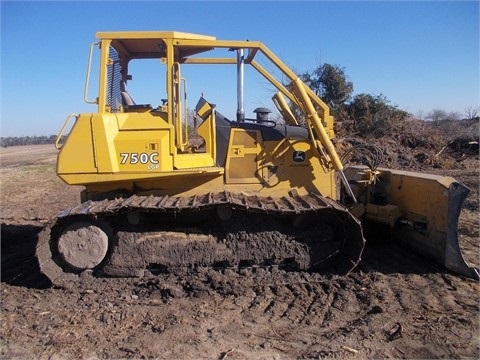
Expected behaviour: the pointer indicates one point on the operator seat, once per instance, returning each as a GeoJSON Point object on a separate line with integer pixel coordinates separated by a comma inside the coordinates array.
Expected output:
{"type": "Point", "coordinates": [126, 97]}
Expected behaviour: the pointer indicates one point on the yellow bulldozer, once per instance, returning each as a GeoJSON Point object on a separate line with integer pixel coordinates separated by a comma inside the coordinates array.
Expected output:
{"type": "Point", "coordinates": [168, 187]}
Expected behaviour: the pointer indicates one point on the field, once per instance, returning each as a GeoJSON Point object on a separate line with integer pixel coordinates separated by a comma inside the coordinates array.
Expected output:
{"type": "Point", "coordinates": [394, 305]}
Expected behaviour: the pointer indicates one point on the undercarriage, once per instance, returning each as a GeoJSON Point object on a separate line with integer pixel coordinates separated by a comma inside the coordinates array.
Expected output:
{"type": "Point", "coordinates": [128, 236]}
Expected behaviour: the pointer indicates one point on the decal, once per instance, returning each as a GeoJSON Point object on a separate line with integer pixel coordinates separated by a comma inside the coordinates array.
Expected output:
{"type": "Point", "coordinates": [299, 156]}
{"type": "Point", "coordinates": [139, 158]}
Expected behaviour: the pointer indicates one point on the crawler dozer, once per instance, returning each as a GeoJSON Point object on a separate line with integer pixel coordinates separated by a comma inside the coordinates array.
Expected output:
{"type": "Point", "coordinates": [172, 187]}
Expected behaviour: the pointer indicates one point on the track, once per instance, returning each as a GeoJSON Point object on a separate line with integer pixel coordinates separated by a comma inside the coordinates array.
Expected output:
{"type": "Point", "coordinates": [126, 236]}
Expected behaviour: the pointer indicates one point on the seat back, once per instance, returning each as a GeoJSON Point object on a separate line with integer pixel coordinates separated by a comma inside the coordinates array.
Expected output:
{"type": "Point", "coordinates": [126, 97]}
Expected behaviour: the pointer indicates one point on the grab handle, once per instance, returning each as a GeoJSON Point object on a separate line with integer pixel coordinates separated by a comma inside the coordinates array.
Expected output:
{"type": "Point", "coordinates": [59, 136]}
{"type": "Point", "coordinates": [87, 79]}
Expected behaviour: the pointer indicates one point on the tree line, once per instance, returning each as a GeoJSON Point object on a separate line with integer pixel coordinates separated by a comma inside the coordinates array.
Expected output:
{"type": "Point", "coordinates": [27, 140]}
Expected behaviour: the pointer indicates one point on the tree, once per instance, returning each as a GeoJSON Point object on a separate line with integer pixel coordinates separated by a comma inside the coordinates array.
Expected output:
{"type": "Point", "coordinates": [330, 83]}
{"type": "Point", "coordinates": [420, 115]}
{"type": "Point", "coordinates": [436, 115]}
{"type": "Point", "coordinates": [472, 113]}
{"type": "Point", "coordinates": [453, 115]}
{"type": "Point", "coordinates": [374, 114]}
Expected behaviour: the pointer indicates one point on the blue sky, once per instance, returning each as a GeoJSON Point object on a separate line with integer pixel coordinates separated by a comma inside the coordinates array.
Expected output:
{"type": "Point", "coordinates": [420, 55]}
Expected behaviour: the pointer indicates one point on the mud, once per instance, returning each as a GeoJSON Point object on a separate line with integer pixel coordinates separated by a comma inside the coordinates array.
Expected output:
{"type": "Point", "coordinates": [394, 305]}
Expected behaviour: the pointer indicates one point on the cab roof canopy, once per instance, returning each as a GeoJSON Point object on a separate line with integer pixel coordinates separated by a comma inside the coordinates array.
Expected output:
{"type": "Point", "coordinates": [150, 44]}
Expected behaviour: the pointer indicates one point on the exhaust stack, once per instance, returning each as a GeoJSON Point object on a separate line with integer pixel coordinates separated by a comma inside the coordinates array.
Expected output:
{"type": "Point", "coordinates": [240, 85]}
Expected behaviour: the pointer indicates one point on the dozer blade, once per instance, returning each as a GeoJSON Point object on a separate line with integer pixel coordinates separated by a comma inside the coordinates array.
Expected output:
{"type": "Point", "coordinates": [422, 209]}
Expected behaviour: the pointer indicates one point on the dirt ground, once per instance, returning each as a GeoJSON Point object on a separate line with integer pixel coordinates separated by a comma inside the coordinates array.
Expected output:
{"type": "Point", "coordinates": [394, 305]}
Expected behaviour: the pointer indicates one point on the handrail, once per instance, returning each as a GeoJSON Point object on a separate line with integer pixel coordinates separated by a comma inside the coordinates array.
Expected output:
{"type": "Point", "coordinates": [60, 134]}
{"type": "Point", "coordinates": [180, 117]}
{"type": "Point", "coordinates": [177, 109]}
{"type": "Point", "coordinates": [87, 80]}
{"type": "Point", "coordinates": [185, 111]}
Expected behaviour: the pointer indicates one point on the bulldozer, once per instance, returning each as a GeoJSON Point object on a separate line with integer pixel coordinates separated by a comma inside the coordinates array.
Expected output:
{"type": "Point", "coordinates": [169, 187]}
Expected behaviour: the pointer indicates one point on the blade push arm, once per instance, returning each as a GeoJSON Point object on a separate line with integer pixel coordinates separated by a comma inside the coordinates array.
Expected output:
{"type": "Point", "coordinates": [314, 122]}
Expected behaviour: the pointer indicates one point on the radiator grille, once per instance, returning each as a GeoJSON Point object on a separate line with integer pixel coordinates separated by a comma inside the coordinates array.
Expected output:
{"type": "Point", "coordinates": [114, 80]}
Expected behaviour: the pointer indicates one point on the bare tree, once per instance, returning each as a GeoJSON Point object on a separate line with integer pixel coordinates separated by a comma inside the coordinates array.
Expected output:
{"type": "Point", "coordinates": [420, 115]}
{"type": "Point", "coordinates": [453, 116]}
{"type": "Point", "coordinates": [436, 115]}
{"type": "Point", "coordinates": [472, 113]}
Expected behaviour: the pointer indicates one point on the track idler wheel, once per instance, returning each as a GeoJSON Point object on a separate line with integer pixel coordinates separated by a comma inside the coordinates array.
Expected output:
{"type": "Point", "coordinates": [82, 245]}
{"type": "Point", "coordinates": [66, 250]}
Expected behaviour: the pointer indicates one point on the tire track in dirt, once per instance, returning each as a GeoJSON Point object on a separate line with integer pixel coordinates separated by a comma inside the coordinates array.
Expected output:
{"type": "Point", "coordinates": [423, 310]}
{"type": "Point", "coordinates": [297, 309]}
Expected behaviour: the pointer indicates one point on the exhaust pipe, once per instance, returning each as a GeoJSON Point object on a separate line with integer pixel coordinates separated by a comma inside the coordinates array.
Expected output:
{"type": "Point", "coordinates": [240, 85]}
